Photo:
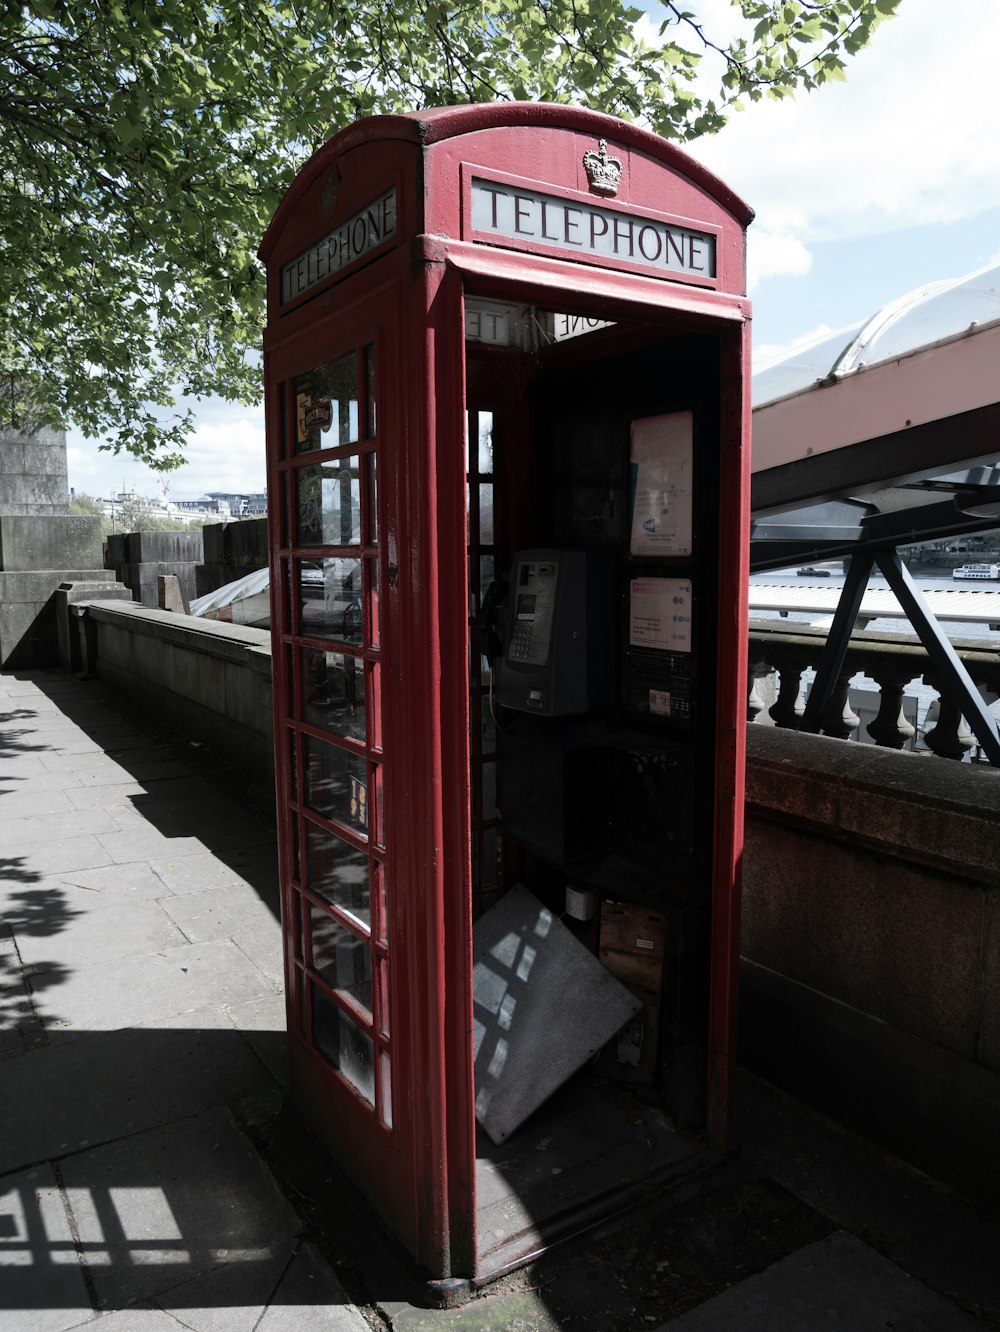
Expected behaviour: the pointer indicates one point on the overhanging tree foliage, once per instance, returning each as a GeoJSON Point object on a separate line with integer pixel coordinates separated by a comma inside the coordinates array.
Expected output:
{"type": "Point", "coordinates": [145, 144]}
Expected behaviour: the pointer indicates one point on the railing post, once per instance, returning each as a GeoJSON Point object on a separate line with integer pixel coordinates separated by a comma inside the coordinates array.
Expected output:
{"type": "Point", "coordinates": [837, 719]}
{"type": "Point", "coordinates": [890, 728]}
{"type": "Point", "coordinates": [758, 670]}
{"type": "Point", "coordinates": [789, 706]}
{"type": "Point", "coordinates": [950, 738]}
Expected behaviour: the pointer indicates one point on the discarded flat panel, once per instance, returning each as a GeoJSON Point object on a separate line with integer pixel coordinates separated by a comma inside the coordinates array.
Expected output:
{"type": "Point", "coordinates": [543, 1006]}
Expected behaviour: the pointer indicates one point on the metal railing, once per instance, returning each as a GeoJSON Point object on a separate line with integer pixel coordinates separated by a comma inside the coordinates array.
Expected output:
{"type": "Point", "coordinates": [892, 661]}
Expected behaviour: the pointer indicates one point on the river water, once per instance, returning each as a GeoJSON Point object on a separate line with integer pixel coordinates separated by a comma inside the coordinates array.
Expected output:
{"type": "Point", "coordinates": [923, 694]}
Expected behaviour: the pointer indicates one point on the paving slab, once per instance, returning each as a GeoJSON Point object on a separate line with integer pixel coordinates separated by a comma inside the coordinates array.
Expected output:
{"type": "Point", "coordinates": [42, 1288]}
{"type": "Point", "coordinates": [263, 1024]}
{"type": "Point", "coordinates": [30, 803]}
{"type": "Point", "coordinates": [140, 1318]}
{"type": "Point", "coordinates": [26, 831]}
{"type": "Point", "coordinates": [67, 1097]}
{"type": "Point", "coordinates": [194, 874]}
{"type": "Point", "coordinates": [44, 859]}
{"type": "Point", "coordinates": [120, 796]}
{"type": "Point", "coordinates": [146, 842]}
{"type": "Point", "coordinates": [311, 1299]}
{"type": "Point", "coordinates": [98, 929]}
{"type": "Point", "coordinates": [959, 1255]}
{"type": "Point", "coordinates": [138, 989]}
{"type": "Point", "coordinates": [837, 1284]}
{"type": "Point", "coordinates": [232, 1297]}
{"type": "Point", "coordinates": [41, 780]}
{"type": "Point", "coordinates": [221, 912]}
{"type": "Point", "coordinates": [156, 1208]}
{"type": "Point", "coordinates": [135, 880]}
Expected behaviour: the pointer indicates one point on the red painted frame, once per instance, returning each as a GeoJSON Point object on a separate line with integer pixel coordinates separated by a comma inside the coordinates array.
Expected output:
{"type": "Point", "coordinates": [421, 1176]}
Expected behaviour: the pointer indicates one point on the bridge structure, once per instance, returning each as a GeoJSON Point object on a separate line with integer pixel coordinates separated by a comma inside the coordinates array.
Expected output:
{"type": "Point", "coordinates": [884, 435]}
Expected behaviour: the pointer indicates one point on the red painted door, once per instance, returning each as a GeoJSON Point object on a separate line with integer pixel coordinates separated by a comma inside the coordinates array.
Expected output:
{"type": "Point", "coordinates": [328, 431]}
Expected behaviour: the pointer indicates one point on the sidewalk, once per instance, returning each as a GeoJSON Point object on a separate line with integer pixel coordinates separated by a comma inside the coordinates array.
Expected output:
{"type": "Point", "coordinates": [151, 1180]}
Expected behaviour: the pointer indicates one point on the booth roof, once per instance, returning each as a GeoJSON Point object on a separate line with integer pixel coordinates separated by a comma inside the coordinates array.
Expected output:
{"type": "Point", "coordinates": [445, 122]}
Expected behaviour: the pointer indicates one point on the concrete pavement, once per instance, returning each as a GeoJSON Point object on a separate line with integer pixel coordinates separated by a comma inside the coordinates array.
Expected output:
{"type": "Point", "coordinates": [141, 1036]}
{"type": "Point", "coordinates": [150, 1179]}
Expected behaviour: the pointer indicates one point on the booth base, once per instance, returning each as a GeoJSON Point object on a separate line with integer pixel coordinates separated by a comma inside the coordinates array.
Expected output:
{"type": "Point", "coordinates": [594, 1151]}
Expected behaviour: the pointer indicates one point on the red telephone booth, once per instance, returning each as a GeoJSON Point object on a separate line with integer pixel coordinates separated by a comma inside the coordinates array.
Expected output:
{"type": "Point", "coordinates": [508, 422]}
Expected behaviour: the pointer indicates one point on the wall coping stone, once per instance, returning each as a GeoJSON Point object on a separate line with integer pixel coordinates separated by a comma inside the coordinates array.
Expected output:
{"type": "Point", "coordinates": [213, 638]}
{"type": "Point", "coordinates": [919, 808]}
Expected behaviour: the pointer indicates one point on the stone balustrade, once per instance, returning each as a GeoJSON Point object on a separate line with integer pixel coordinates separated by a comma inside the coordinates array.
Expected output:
{"type": "Point", "coordinates": [891, 660]}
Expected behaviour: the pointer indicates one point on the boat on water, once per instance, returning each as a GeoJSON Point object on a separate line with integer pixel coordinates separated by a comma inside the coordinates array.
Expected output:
{"type": "Point", "coordinates": [810, 571]}
{"type": "Point", "coordinates": [977, 572]}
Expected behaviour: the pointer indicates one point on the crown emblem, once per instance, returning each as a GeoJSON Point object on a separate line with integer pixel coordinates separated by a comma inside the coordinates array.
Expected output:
{"type": "Point", "coordinates": [603, 172]}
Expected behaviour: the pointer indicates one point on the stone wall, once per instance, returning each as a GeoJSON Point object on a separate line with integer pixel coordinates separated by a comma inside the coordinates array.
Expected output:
{"type": "Point", "coordinates": [871, 905]}
{"type": "Point", "coordinates": [871, 942]}
{"type": "Point", "coordinates": [211, 681]}
{"type": "Point", "coordinates": [33, 478]}
{"type": "Point", "coordinates": [231, 550]}
{"type": "Point", "coordinates": [139, 558]}
{"type": "Point", "coordinates": [37, 554]}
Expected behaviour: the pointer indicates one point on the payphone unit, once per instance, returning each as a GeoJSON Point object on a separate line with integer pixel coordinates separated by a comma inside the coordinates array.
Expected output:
{"type": "Point", "coordinates": [558, 649]}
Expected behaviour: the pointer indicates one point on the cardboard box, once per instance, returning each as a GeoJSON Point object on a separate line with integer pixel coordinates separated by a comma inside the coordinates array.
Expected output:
{"type": "Point", "coordinates": [632, 947]}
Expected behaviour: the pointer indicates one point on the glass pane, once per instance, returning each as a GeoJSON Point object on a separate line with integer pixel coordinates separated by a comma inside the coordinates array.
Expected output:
{"type": "Point", "coordinates": [336, 783]}
{"type": "Point", "coordinates": [468, 418]}
{"type": "Point", "coordinates": [373, 499]}
{"type": "Point", "coordinates": [283, 419]}
{"type": "Point", "coordinates": [385, 1080]}
{"type": "Point", "coordinates": [486, 442]}
{"type": "Point", "coordinates": [341, 958]}
{"type": "Point", "coordinates": [333, 692]}
{"type": "Point", "coordinates": [343, 1044]}
{"type": "Point", "coordinates": [375, 680]}
{"type": "Point", "coordinates": [489, 859]}
{"type": "Point", "coordinates": [371, 414]}
{"type": "Point", "coordinates": [290, 682]}
{"type": "Point", "coordinates": [489, 732]}
{"type": "Point", "coordinates": [378, 880]}
{"type": "Point", "coordinates": [383, 998]}
{"type": "Point", "coordinates": [293, 765]}
{"type": "Point", "coordinates": [373, 603]}
{"type": "Point", "coordinates": [376, 807]}
{"type": "Point", "coordinates": [297, 924]}
{"type": "Point", "coordinates": [338, 872]}
{"type": "Point", "coordinates": [489, 771]}
{"type": "Point", "coordinates": [330, 599]}
{"type": "Point", "coordinates": [486, 513]}
{"type": "Point", "coordinates": [326, 405]}
{"type": "Point", "coordinates": [329, 502]}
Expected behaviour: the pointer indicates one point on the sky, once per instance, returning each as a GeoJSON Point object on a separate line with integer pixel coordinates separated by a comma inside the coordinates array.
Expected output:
{"type": "Point", "coordinates": [863, 191]}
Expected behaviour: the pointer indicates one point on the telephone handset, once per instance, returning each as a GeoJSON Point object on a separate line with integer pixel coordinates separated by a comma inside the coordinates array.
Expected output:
{"type": "Point", "coordinates": [490, 642]}
{"type": "Point", "coordinates": [559, 639]}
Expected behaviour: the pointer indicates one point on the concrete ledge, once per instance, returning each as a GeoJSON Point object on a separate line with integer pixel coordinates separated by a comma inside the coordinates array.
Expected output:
{"type": "Point", "coordinates": [209, 680]}
{"type": "Point", "coordinates": [913, 807]}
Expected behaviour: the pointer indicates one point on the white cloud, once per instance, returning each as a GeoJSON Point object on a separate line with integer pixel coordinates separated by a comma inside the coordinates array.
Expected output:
{"type": "Point", "coordinates": [765, 353]}
{"type": "Point", "coordinates": [909, 139]}
{"type": "Point", "coordinates": [775, 254]}
{"type": "Point", "coordinates": [226, 451]}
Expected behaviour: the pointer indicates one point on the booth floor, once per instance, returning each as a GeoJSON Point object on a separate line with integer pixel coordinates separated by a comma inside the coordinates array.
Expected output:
{"type": "Point", "coordinates": [152, 1178]}
{"type": "Point", "coordinates": [590, 1151]}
